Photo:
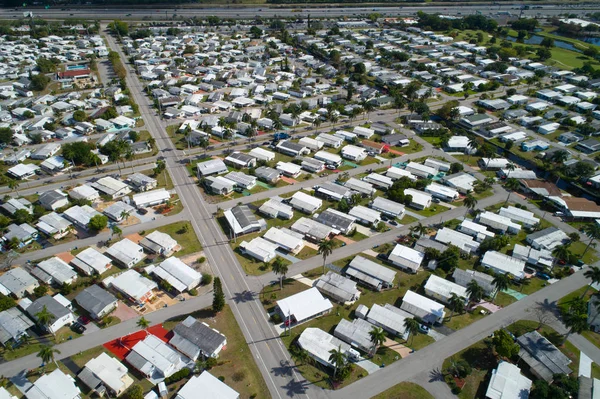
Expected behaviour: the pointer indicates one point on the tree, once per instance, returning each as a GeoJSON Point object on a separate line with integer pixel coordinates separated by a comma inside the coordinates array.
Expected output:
{"type": "Point", "coordinates": [44, 317]}
{"type": "Point", "coordinates": [412, 327]}
{"type": "Point", "coordinates": [256, 32]}
{"type": "Point", "coordinates": [218, 296]}
{"type": "Point", "coordinates": [511, 185]}
{"type": "Point", "coordinates": [575, 320]}
{"type": "Point", "coordinates": [504, 344]}
{"type": "Point", "coordinates": [338, 359]}
{"type": "Point", "coordinates": [543, 54]}
{"type": "Point", "coordinates": [419, 229]}
{"type": "Point", "coordinates": [143, 323]}
{"type": "Point", "coordinates": [592, 230]}
{"type": "Point", "coordinates": [135, 392]}
{"type": "Point", "coordinates": [377, 336]}
{"type": "Point", "coordinates": [470, 202]}
{"type": "Point", "coordinates": [79, 116]}
{"type": "Point", "coordinates": [593, 274]}
{"type": "Point", "coordinates": [125, 215]}
{"type": "Point", "coordinates": [280, 268]}
{"type": "Point", "coordinates": [475, 291]}
{"type": "Point", "coordinates": [22, 216]}
{"type": "Point", "coordinates": [325, 249]}
{"type": "Point", "coordinates": [119, 27]}
{"type": "Point", "coordinates": [46, 353]}
{"type": "Point", "coordinates": [561, 252]}
{"type": "Point", "coordinates": [116, 230]}
{"type": "Point", "coordinates": [98, 223]}
{"type": "Point", "coordinates": [455, 304]}
{"type": "Point", "coordinates": [6, 135]}
{"type": "Point", "coordinates": [39, 82]}
{"type": "Point", "coordinates": [40, 290]}
{"type": "Point", "coordinates": [547, 42]}
{"type": "Point", "coordinates": [13, 185]}
{"type": "Point", "coordinates": [6, 302]}
{"type": "Point", "coordinates": [501, 282]}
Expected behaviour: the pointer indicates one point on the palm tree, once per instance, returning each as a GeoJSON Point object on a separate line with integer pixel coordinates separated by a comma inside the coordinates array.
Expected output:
{"type": "Point", "coordinates": [593, 273]}
{"type": "Point", "coordinates": [561, 252]}
{"type": "Point", "coordinates": [116, 230]}
{"type": "Point", "coordinates": [470, 202]}
{"type": "Point", "coordinates": [412, 327]}
{"type": "Point", "coordinates": [14, 185]}
{"type": "Point", "coordinates": [524, 283]}
{"type": "Point", "coordinates": [419, 229]}
{"type": "Point", "coordinates": [501, 282]}
{"type": "Point", "coordinates": [44, 317]}
{"type": "Point", "coordinates": [475, 291]}
{"type": "Point", "coordinates": [456, 304]}
{"type": "Point", "coordinates": [576, 321]}
{"type": "Point", "coordinates": [337, 358]}
{"type": "Point", "coordinates": [473, 144]}
{"type": "Point", "coordinates": [143, 323]}
{"type": "Point", "coordinates": [125, 215]}
{"type": "Point", "coordinates": [279, 268]}
{"type": "Point", "coordinates": [593, 302]}
{"type": "Point", "coordinates": [130, 156]}
{"type": "Point", "coordinates": [325, 249]}
{"type": "Point", "coordinates": [511, 185]}
{"type": "Point", "coordinates": [510, 166]}
{"type": "Point", "coordinates": [317, 122]}
{"type": "Point", "coordinates": [592, 230]}
{"type": "Point", "coordinates": [367, 107]}
{"type": "Point", "coordinates": [46, 353]}
{"type": "Point", "coordinates": [377, 337]}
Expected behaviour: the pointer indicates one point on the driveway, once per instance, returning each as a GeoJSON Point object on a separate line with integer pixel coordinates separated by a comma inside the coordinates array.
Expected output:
{"type": "Point", "coordinates": [91, 328]}
{"type": "Point", "coordinates": [124, 312]}
{"type": "Point", "coordinates": [368, 365]}
{"type": "Point", "coordinates": [436, 335]}
{"type": "Point", "coordinates": [402, 350]}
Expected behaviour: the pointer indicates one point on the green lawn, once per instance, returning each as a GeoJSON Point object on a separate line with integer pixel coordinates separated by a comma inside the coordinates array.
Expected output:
{"type": "Point", "coordinates": [409, 149]}
{"type": "Point", "coordinates": [184, 234]}
{"type": "Point", "coordinates": [434, 141]}
{"type": "Point", "coordinates": [578, 248]}
{"type": "Point", "coordinates": [404, 390]}
{"type": "Point", "coordinates": [460, 321]}
{"type": "Point", "coordinates": [483, 361]}
{"type": "Point", "coordinates": [504, 300]}
{"type": "Point", "coordinates": [163, 180]}
{"type": "Point", "coordinates": [470, 160]}
{"type": "Point", "coordinates": [433, 210]}
{"type": "Point", "coordinates": [408, 219]}
{"type": "Point", "coordinates": [272, 293]}
{"type": "Point", "coordinates": [565, 301]}
{"type": "Point", "coordinates": [307, 252]}
{"type": "Point", "coordinates": [592, 336]}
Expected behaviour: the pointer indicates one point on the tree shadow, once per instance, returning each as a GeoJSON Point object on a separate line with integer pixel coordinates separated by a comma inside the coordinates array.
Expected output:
{"type": "Point", "coordinates": [284, 369]}
{"type": "Point", "coordinates": [547, 306]}
{"type": "Point", "coordinates": [294, 388]}
{"type": "Point", "coordinates": [436, 374]}
{"type": "Point", "coordinates": [244, 296]}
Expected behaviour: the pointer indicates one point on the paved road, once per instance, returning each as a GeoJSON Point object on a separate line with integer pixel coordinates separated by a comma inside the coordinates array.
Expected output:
{"type": "Point", "coordinates": [267, 12]}
{"type": "Point", "coordinates": [70, 348]}
{"type": "Point", "coordinates": [92, 241]}
{"type": "Point", "coordinates": [271, 356]}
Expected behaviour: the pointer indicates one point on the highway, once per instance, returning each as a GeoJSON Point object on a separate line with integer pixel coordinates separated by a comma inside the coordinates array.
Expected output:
{"type": "Point", "coordinates": [267, 11]}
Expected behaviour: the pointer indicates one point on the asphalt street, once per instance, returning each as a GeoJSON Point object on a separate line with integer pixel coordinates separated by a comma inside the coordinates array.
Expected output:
{"type": "Point", "coordinates": [266, 11]}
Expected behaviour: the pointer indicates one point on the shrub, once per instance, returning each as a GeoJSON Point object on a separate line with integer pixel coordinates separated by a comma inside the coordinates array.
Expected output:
{"type": "Point", "coordinates": [193, 292]}
{"type": "Point", "coordinates": [276, 318]}
{"type": "Point", "coordinates": [239, 376]}
{"type": "Point", "coordinates": [201, 259]}
{"type": "Point", "coordinates": [456, 390]}
{"type": "Point", "coordinates": [178, 376]}
{"type": "Point", "coordinates": [221, 378]}
{"type": "Point", "coordinates": [210, 363]}
{"type": "Point", "coordinates": [206, 279]}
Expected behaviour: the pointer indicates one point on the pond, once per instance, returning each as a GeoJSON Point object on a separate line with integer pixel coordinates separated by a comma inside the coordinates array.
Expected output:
{"type": "Point", "coordinates": [537, 40]}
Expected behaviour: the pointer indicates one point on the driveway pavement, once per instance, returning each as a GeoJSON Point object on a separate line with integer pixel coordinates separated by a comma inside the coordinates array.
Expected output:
{"type": "Point", "coordinates": [368, 366]}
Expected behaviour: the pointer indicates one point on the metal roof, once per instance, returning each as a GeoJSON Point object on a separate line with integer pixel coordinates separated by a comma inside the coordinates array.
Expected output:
{"type": "Point", "coordinates": [192, 335]}
{"type": "Point", "coordinates": [51, 304]}
{"type": "Point", "coordinates": [364, 269]}
{"type": "Point", "coordinates": [13, 324]}
{"type": "Point", "coordinates": [545, 358]}
{"type": "Point", "coordinates": [94, 299]}
{"type": "Point", "coordinates": [338, 287]}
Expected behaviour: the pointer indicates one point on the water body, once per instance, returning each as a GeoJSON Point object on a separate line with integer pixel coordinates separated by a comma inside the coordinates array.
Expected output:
{"type": "Point", "coordinates": [537, 40]}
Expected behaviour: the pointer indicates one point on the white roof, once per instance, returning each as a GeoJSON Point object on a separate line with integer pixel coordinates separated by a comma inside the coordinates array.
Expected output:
{"type": "Point", "coordinates": [389, 206]}
{"type": "Point", "coordinates": [389, 317]}
{"type": "Point", "coordinates": [507, 264]}
{"type": "Point", "coordinates": [288, 167]}
{"type": "Point", "coordinates": [261, 153]}
{"type": "Point", "coordinates": [125, 251]}
{"type": "Point", "coordinates": [363, 213]}
{"type": "Point", "coordinates": [458, 142]}
{"type": "Point", "coordinates": [108, 370]}
{"type": "Point", "coordinates": [418, 197]}
{"type": "Point", "coordinates": [376, 178]}
{"type": "Point", "coordinates": [353, 151]}
{"type": "Point", "coordinates": [507, 382]}
{"type": "Point", "coordinates": [327, 157]}
{"type": "Point", "coordinates": [435, 188]}
{"type": "Point", "coordinates": [4, 394]}
{"type": "Point", "coordinates": [462, 241]}
{"type": "Point", "coordinates": [493, 220]}
{"type": "Point", "coordinates": [90, 258]}
{"type": "Point", "coordinates": [444, 287]}
{"type": "Point", "coordinates": [319, 343]}
{"type": "Point", "coordinates": [304, 305]}
{"type": "Point", "coordinates": [209, 386]}
{"type": "Point", "coordinates": [150, 197]}
{"type": "Point", "coordinates": [56, 385]}
{"type": "Point", "coordinates": [84, 192]}
{"type": "Point", "coordinates": [307, 199]}
{"type": "Point", "coordinates": [401, 254]}
{"type": "Point", "coordinates": [157, 354]}
{"type": "Point", "coordinates": [428, 306]}
{"type": "Point", "coordinates": [178, 274]}
{"type": "Point", "coordinates": [396, 173]}
{"type": "Point", "coordinates": [519, 215]}
{"type": "Point", "coordinates": [285, 238]}
{"type": "Point", "coordinates": [260, 248]}
{"type": "Point", "coordinates": [360, 186]}
{"type": "Point", "coordinates": [421, 168]}
{"type": "Point", "coordinates": [132, 283]}
{"type": "Point", "coordinates": [58, 269]}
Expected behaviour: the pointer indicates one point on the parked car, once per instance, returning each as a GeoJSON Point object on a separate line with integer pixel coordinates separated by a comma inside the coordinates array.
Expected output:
{"type": "Point", "coordinates": [78, 328]}
{"type": "Point", "coordinates": [330, 167]}
{"type": "Point", "coordinates": [423, 328]}
{"type": "Point", "coordinates": [382, 257]}
{"type": "Point", "coordinates": [436, 200]}
{"type": "Point", "coordinates": [83, 320]}
{"type": "Point", "coordinates": [393, 223]}
{"type": "Point", "coordinates": [543, 276]}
